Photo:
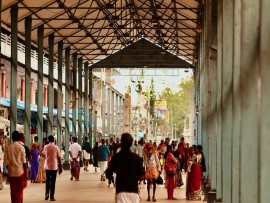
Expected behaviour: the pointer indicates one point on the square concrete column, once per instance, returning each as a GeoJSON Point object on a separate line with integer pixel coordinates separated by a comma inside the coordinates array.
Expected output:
{"type": "Point", "coordinates": [59, 93]}
{"type": "Point", "coordinates": [219, 97]}
{"type": "Point", "coordinates": [80, 64]}
{"type": "Point", "coordinates": [91, 108]}
{"type": "Point", "coordinates": [85, 97]}
{"type": "Point", "coordinates": [103, 112]}
{"type": "Point", "coordinates": [236, 104]}
{"type": "Point", "coordinates": [265, 95]}
{"type": "Point", "coordinates": [108, 110]}
{"type": "Point", "coordinates": [14, 67]}
{"type": "Point", "coordinates": [67, 101]}
{"type": "Point", "coordinates": [250, 87]}
{"type": "Point", "coordinates": [227, 99]}
{"type": "Point", "coordinates": [50, 85]}
{"type": "Point", "coordinates": [40, 83]}
{"type": "Point", "coordinates": [112, 113]}
{"type": "Point", "coordinates": [116, 115]}
{"type": "Point", "coordinates": [74, 89]}
{"type": "Point", "coordinates": [27, 112]}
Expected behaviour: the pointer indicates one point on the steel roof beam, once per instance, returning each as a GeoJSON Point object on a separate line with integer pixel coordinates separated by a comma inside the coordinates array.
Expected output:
{"type": "Point", "coordinates": [53, 17]}
{"type": "Point", "coordinates": [96, 8]}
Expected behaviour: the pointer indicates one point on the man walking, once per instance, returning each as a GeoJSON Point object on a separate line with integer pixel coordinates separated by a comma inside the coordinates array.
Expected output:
{"type": "Point", "coordinates": [16, 164]}
{"type": "Point", "coordinates": [86, 153]}
{"type": "Point", "coordinates": [128, 168]}
{"type": "Point", "coordinates": [52, 157]}
{"type": "Point", "coordinates": [181, 149]}
{"type": "Point", "coordinates": [75, 151]}
{"type": "Point", "coordinates": [103, 157]}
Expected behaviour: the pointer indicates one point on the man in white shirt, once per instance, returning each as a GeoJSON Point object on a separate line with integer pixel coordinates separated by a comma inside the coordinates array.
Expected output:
{"type": "Point", "coordinates": [75, 151]}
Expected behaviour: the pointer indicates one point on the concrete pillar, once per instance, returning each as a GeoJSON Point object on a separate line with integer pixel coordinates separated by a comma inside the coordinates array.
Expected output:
{"type": "Point", "coordinates": [94, 107]}
{"type": "Point", "coordinates": [80, 64]}
{"type": "Point", "coordinates": [219, 93]}
{"type": "Point", "coordinates": [40, 83]}
{"type": "Point", "coordinates": [250, 106]}
{"type": "Point", "coordinates": [112, 112]}
{"type": "Point", "coordinates": [226, 105]}
{"type": "Point", "coordinates": [95, 126]}
{"type": "Point", "coordinates": [91, 107]}
{"type": "Point", "coordinates": [120, 115]}
{"type": "Point", "coordinates": [50, 85]}
{"type": "Point", "coordinates": [14, 67]}
{"type": "Point", "coordinates": [86, 106]}
{"type": "Point", "coordinates": [213, 116]}
{"type": "Point", "coordinates": [74, 89]}
{"type": "Point", "coordinates": [67, 102]}
{"type": "Point", "coordinates": [236, 104]}
{"type": "Point", "coordinates": [103, 108]}
{"type": "Point", "coordinates": [108, 110]}
{"type": "Point", "coordinates": [28, 86]}
{"type": "Point", "coordinates": [116, 115]}
{"type": "Point", "coordinates": [59, 93]}
{"type": "Point", "coordinates": [264, 138]}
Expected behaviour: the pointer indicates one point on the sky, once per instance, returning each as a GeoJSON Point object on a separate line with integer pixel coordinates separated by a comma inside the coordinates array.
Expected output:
{"type": "Point", "coordinates": [163, 78]}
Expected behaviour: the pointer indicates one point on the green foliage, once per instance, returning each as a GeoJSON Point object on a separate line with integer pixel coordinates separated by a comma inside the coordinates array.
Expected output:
{"type": "Point", "coordinates": [178, 102]}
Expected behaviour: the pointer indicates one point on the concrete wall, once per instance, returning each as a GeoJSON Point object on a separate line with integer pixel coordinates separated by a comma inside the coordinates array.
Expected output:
{"type": "Point", "coordinates": [232, 93]}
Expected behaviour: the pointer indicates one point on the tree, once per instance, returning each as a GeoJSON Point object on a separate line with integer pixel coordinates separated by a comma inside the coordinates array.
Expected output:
{"type": "Point", "coordinates": [178, 103]}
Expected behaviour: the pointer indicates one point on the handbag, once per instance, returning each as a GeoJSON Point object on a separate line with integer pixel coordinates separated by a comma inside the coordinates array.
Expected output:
{"type": "Point", "coordinates": [159, 180]}
{"type": "Point", "coordinates": [170, 169]}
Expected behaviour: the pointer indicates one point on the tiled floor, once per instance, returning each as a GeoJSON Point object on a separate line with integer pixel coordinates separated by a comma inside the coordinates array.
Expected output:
{"type": "Point", "coordinates": [88, 189]}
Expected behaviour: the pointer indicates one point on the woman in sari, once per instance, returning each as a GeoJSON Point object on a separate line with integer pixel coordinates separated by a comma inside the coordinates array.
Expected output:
{"type": "Point", "coordinates": [194, 176]}
{"type": "Point", "coordinates": [153, 168]}
{"type": "Point", "coordinates": [170, 169]}
{"type": "Point", "coordinates": [41, 176]}
{"type": "Point", "coordinates": [34, 162]}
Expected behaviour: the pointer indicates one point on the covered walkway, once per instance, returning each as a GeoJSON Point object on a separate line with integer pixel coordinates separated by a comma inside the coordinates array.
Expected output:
{"type": "Point", "coordinates": [89, 189]}
{"type": "Point", "coordinates": [225, 42]}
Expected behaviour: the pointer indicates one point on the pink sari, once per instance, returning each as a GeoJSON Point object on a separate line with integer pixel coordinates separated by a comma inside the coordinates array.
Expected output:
{"type": "Point", "coordinates": [193, 180]}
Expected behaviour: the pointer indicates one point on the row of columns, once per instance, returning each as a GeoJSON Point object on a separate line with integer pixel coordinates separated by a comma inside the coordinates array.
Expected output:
{"type": "Point", "coordinates": [112, 100]}
{"type": "Point", "coordinates": [112, 111]}
{"type": "Point", "coordinates": [232, 93]}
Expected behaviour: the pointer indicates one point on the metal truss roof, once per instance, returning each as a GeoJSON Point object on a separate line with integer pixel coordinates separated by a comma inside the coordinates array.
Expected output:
{"type": "Point", "coordinates": [96, 29]}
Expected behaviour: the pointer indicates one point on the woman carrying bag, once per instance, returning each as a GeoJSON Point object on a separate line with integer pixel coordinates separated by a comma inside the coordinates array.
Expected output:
{"type": "Point", "coordinates": [170, 169]}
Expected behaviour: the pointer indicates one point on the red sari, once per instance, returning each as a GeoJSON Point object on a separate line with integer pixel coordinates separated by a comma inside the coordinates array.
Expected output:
{"type": "Point", "coordinates": [170, 180]}
{"type": "Point", "coordinates": [193, 179]}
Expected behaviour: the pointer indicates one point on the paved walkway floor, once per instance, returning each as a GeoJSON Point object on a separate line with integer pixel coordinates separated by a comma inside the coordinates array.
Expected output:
{"type": "Point", "coordinates": [89, 189]}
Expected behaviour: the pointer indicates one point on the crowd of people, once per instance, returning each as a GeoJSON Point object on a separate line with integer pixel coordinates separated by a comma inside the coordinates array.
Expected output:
{"type": "Point", "coordinates": [131, 162]}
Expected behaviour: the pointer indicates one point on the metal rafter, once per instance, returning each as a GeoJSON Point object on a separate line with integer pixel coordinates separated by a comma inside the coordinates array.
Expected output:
{"type": "Point", "coordinates": [175, 30]}
{"type": "Point", "coordinates": [53, 17]}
